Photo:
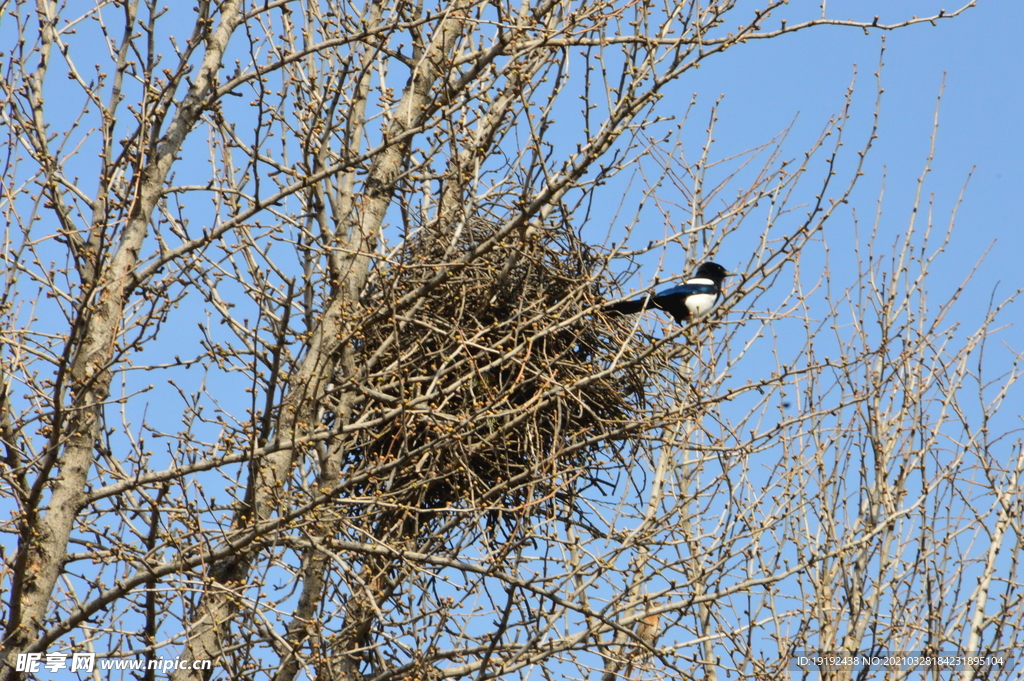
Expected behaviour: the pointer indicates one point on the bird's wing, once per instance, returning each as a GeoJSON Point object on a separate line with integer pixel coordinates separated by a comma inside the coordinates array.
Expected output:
{"type": "Point", "coordinates": [688, 290]}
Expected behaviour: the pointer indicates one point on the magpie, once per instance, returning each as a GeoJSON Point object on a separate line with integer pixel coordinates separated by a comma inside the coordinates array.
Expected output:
{"type": "Point", "coordinates": [686, 302]}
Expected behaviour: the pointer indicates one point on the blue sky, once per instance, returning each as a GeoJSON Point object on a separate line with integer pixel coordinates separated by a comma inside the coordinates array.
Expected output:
{"type": "Point", "coordinates": [982, 58]}
{"type": "Point", "coordinates": [979, 57]}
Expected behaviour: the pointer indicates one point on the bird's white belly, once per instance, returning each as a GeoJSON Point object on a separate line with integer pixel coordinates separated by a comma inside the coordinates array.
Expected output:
{"type": "Point", "coordinates": [699, 304]}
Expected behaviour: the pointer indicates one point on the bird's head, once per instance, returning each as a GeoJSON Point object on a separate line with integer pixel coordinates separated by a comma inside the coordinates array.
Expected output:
{"type": "Point", "coordinates": [713, 272]}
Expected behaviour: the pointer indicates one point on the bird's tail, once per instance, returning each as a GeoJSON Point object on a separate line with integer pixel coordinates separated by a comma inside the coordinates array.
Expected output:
{"type": "Point", "coordinates": [628, 306]}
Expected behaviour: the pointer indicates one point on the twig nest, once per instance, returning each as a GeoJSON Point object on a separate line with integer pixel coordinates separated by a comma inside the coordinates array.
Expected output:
{"type": "Point", "coordinates": [499, 388]}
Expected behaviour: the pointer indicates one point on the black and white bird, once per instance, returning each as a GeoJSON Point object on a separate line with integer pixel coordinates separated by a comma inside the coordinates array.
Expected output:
{"type": "Point", "coordinates": [689, 301]}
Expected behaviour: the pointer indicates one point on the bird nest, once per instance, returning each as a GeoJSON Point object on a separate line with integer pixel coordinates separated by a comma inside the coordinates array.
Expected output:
{"type": "Point", "coordinates": [498, 388]}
